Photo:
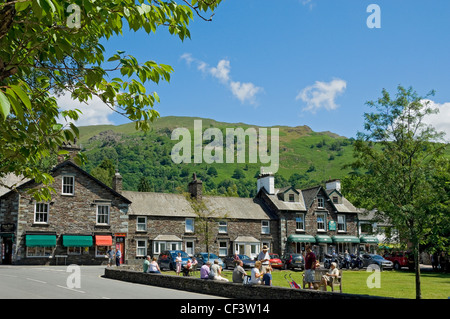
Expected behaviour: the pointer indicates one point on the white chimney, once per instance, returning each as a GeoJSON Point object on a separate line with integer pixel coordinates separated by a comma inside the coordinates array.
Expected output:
{"type": "Point", "coordinates": [266, 180]}
{"type": "Point", "coordinates": [333, 184]}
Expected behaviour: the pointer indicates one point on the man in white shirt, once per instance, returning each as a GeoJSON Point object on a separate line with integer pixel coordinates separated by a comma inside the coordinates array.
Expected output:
{"type": "Point", "coordinates": [264, 258]}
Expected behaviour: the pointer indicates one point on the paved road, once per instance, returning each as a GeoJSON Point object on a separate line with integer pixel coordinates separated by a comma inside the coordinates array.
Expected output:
{"type": "Point", "coordinates": [55, 282]}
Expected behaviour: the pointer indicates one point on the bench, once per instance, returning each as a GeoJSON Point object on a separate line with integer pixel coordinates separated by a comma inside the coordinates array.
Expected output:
{"type": "Point", "coordinates": [317, 283]}
{"type": "Point", "coordinates": [61, 256]}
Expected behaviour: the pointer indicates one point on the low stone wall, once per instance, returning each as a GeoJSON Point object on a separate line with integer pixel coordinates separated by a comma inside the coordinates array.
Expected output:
{"type": "Point", "coordinates": [224, 289]}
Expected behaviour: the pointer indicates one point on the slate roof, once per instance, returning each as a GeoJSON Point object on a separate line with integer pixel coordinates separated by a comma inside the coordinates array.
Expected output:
{"type": "Point", "coordinates": [70, 163]}
{"type": "Point", "coordinates": [176, 205]}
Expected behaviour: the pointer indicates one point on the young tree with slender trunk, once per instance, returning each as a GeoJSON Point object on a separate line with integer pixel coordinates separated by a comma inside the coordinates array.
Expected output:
{"type": "Point", "coordinates": [401, 156]}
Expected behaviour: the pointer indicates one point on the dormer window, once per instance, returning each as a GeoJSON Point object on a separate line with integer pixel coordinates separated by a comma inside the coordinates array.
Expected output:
{"type": "Point", "coordinates": [320, 202]}
{"type": "Point", "coordinates": [335, 200]}
{"type": "Point", "coordinates": [291, 197]}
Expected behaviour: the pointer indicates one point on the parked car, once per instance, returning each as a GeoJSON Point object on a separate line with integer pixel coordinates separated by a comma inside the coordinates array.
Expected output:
{"type": "Point", "coordinates": [370, 259]}
{"type": "Point", "coordinates": [202, 258]}
{"type": "Point", "coordinates": [291, 261]}
{"type": "Point", "coordinates": [275, 261]}
{"type": "Point", "coordinates": [166, 259]}
{"type": "Point", "coordinates": [247, 261]}
{"type": "Point", "coordinates": [401, 259]}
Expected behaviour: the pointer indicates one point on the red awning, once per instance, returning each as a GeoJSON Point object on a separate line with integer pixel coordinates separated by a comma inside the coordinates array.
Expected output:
{"type": "Point", "coordinates": [103, 240]}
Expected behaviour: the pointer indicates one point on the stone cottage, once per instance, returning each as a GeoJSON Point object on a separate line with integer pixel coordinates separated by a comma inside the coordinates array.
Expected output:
{"type": "Point", "coordinates": [83, 220]}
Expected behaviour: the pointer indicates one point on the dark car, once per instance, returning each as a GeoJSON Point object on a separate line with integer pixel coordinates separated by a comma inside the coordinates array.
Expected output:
{"type": "Point", "coordinates": [247, 261]}
{"type": "Point", "coordinates": [292, 261]}
{"type": "Point", "coordinates": [371, 259]}
{"type": "Point", "coordinates": [275, 261]}
{"type": "Point", "coordinates": [166, 259]}
{"type": "Point", "coordinates": [202, 258]}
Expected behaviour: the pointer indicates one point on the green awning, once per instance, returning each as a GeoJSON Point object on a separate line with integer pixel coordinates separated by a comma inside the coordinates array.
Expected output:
{"type": "Point", "coordinates": [40, 240]}
{"type": "Point", "coordinates": [301, 239]}
{"type": "Point", "coordinates": [346, 239]}
{"type": "Point", "coordinates": [369, 239]}
{"type": "Point", "coordinates": [323, 239]}
{"type": "Point", "coordinates": [77, 241]}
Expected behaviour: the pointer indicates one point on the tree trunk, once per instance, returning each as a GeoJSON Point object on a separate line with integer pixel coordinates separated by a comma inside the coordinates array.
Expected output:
{"type": "Point", "coordinates": [417, 269]}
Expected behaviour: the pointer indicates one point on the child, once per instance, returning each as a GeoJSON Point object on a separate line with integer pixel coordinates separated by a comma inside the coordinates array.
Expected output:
{"type": "Point", "coordinates": [267, 277]}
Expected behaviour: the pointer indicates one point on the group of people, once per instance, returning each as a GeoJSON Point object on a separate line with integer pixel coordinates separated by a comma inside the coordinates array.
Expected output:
{"type": "Point", "coordinates": [113, 257]}
{"type": "Point", "coordinates": [151, 266]}
{"type": "Point", "coordinates": [260, 274]}
{"type": "Point", "coordinates": [212, 271]}
{"type": "Point", "coordinates": [311, 264]}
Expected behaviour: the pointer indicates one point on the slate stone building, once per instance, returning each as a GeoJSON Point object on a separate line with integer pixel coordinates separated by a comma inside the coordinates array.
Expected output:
{"type": "Point", "coordinates": [318, 216]}
{"type": "Point", "coordinates": [81, 222]}
{"type": "Point", "coordinates": [86, 218]}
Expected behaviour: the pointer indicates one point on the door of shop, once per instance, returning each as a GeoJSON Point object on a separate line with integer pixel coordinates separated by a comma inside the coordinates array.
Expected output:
{"type": "Point", "coordinates": [120, 245]}
{"type": "Point", "coordinates": [7, 250]}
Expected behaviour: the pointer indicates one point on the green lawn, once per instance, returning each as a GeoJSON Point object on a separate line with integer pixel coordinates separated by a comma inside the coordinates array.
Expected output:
{"type": "Point", "coordinates": [397, 284]}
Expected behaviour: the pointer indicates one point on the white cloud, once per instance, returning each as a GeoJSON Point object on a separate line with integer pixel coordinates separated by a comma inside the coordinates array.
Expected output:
{"type": "Point", "coordinates": [441, 120]}
{"type": "Point", "coordinates": [244, 92]}
{"type": "Point", "coordinates": [95, 112]}
{"type": "Point", "coordinates": [308, 3]}
{"type": "Point", "coordinates": [322, 95]}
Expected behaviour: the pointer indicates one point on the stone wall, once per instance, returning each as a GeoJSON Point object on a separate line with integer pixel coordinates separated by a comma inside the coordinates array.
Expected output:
{"type": "Point", "coordinates": [224, 289]}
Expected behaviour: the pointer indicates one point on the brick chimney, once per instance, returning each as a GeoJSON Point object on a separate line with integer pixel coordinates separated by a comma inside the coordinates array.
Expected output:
{"type": "Point", "coordinates": [117, 182]}
{"type": "Point", "coordinates": [196, 187]}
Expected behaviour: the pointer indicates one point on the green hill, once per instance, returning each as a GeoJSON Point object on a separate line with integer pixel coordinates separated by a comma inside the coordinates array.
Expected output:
{"type": "Point", "coordinates": [306, 157]}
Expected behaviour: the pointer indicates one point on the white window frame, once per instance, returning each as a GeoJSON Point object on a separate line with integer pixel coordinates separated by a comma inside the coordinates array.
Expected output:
{"type": "Point", "coordinates": [108, 214]}
{"type": "Point", "coordinates": [190, 251]}
{"type": "Point", "coordinates": [43, 213]}
{"type": "Point", "coordinates": [320, 202]}
{"type": "Point", "coordinates": [342, 223]}
{"type": "Point", "coordinates": [223, 227]}
{"type": "Point", "coordinates": [47, 252]}
{"type": "Point", "coordinates": [302, 217]}
{"type": "Point", "coordinates": [324, 217]}
{"type": "Point", "coordinates": [223, 250]}
{"type": "Point", "coordinates": [144, 223]}
{"type": "Point", "coordinates": [68, 185]}
{"type": "Point", "coordinates": [265, 229]}
{"type": "Point", "coordinates": [189, 229]}
{"type": "Point", "coordinates": [141, 247]}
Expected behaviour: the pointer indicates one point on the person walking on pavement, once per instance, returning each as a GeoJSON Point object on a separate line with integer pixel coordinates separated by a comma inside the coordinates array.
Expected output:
{"type": "Point", "coordinates": [118, 256]}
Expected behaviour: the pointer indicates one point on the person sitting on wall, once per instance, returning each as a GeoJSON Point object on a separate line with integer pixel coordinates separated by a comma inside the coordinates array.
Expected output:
{"type": "Point", "coordinates": [239, 273]}
{"type": "Point", "coordinates": [154, 267]}
{"type": "Point", "coordinates": [204, 270]}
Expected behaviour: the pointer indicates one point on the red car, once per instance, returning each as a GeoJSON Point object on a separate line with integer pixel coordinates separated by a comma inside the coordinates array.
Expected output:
{"type": "Point", "coordinates": [275, 261]}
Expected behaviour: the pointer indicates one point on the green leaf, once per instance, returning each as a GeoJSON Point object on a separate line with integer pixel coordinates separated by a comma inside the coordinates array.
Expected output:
{"type": "Point", "coordinates": [5, 107]}
{"type": "Point", "coordinates": [22, 95]}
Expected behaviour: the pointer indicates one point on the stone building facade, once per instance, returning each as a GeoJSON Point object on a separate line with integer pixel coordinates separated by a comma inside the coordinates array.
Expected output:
{"type": "Point", "coordinates": [318, 216]}
{"type": "Point", "coordinates": [82, 221]}
{"type": "Point", "coordinates": [85, 218]}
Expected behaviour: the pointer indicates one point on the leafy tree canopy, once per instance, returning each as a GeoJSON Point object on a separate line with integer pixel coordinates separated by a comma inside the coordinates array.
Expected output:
{"type": "Point", "coordinates": [50, 47]}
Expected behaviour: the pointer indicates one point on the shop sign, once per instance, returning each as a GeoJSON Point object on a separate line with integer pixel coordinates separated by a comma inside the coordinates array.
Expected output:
{"type": "Point", "coordinates": [331, 225]}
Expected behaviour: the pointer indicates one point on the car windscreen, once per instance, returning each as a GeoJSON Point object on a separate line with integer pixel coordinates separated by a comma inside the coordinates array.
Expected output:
{"type": "Point", "coordinates": [243, 257]}
{"type": "Point", "coordinates": [183, 254]}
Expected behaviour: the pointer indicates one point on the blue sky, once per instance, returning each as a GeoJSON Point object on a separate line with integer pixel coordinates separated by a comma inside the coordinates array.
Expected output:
{"type": "Point", "coordinates": [298, 62]}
